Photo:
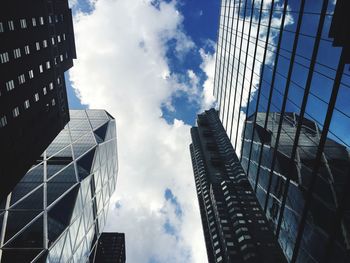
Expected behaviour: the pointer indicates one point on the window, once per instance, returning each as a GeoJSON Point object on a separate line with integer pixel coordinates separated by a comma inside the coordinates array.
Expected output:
{"type": "Point", "coordinates": [59, 39]}
{"type": "Point", "coordinates": [11, 25]}
{"type": "Point", "coordinates": [26, 104]}
{"type": "Point", "coordinates": [48, 65]}
{"type": "Point", "coordinates": [61, 58]}
{"type": "Point", "coordinates": [3, 121]}
{"type": "Point", "coordinates": [58, 80]}
{"type": "Point", "coordinates": [41, 69]}
{"type": "Point", "coordinates": [56, 18]}
{"type": "Point", "coordinates": [45, 43]}
{"type": "Point", "coordinates": [37, 45]}
{"type": "Point", "coordinates": [51, 86]}
{"type": "Point", "coordinates": [36, 97]}
{"type": "Point", "coordinates": [31, 74]}
{"type": "Point", "coordinates": [44, 91]}
{"type": "Point", "coordinates": [26, 50]}
{"type": "Point", "coordinates": [21, 79]}
{"type": "Point", "coordinates": [1, 27]}
{"type": "Point", "coordinates": [10, 85]}
{"type": "Point", "coordinates": [53, 102]}
{"type": "Point", "coordinates": [4, 57]}
{"type": "Point", "coordinates": [50, 20]}
{"type": "Point", "coordinates": [61, 17]}
{"type": "Point", "coordinates": [15, 112]}
{"type": "Point", "coordinates": [64, 36]}
{"type": "Point", "coordinates": [23, 23]}
{"type": "Point", "coordinates": [33, 21]}
{"type": "Point", "coordinates": [41, 20]}
{"type": "Point", "coordinates": [17, 53]}
{"type": "Point", "coordinates": [53, 40]}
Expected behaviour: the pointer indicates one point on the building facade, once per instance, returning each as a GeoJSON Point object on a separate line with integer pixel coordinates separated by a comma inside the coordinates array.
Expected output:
{"type": "Point", "coordinates": [235, 227]}
{"type": "Point", "coordinates": [37, 47]}
{"type": "Point", "coordinates": [110, 249]}
{"type": "Point", "coordinates": [282, 84]}
{"type": "Point", "coordinates": [57, 212]}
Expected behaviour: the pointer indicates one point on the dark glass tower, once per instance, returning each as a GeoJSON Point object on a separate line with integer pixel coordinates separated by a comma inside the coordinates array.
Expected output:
{"type": "Point", "coordinates": [282, 84]}
{"type": "Point", "coordinates": [57, 212]}
{"type": "Point", "coordinates": [110, 248]}
{"type": "Point", "coordinates": [235, 228]}
{"type": "Point", "coordinates": [37, 47]}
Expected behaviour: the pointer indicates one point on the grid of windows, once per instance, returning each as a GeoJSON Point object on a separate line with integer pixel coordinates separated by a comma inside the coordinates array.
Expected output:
{"type": "Point", "coordinates": [282, 85]}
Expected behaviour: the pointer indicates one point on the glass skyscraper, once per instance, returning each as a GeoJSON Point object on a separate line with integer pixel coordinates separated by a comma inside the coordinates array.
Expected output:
{"type": "Point", "coordinates": [282, 84]}
{"type": "Point", "coordinates": [110, 249]}
{"type": "Point", "coordinates": [57, 212]}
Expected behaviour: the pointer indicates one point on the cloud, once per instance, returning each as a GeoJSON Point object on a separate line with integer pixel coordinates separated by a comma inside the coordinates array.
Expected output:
{"type": "Point", "coordinates": [122, 67]}
{"type": "Point", "coordinates": [208, 67]}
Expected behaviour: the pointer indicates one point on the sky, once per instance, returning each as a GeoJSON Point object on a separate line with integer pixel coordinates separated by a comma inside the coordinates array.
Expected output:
{"type": "Point", "coordinates": [149, 63]}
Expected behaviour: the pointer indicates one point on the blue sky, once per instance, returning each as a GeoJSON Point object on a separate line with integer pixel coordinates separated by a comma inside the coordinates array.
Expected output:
{"type": "Point", "coordinates": [146, 63]}
{"type": "Point", "coordinates": [201, 24]}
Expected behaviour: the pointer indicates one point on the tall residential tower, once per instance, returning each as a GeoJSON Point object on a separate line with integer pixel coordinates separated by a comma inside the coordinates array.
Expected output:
{"type": "Point", "coordinates": [37, 47]}
{"type": "Point", "coordinates": [235, 227]}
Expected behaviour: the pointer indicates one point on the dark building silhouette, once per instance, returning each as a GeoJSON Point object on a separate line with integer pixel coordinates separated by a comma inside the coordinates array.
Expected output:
{"type": "Point", "coordinates": [234, 225]}
{"type": "Point", "coordinates": [282, 84]}
{"type": "Point", "coordinates": [58, 210]}
{"type": "Point", "coordinates": [37, 47]}
{"type": "Point", "coordinates": [110, 248]}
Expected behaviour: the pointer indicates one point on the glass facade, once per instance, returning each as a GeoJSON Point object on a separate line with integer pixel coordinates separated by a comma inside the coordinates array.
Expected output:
{"type": "Point", "coordinates": [58, 210]}
{"type": "Point", "coordinates": [282, 84]}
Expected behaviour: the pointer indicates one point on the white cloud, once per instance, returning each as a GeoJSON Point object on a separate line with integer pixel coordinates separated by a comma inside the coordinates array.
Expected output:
{"type": "Point", "coordinates": [122, 67]}
{"type": "Point", "coordinates": [208, 67]}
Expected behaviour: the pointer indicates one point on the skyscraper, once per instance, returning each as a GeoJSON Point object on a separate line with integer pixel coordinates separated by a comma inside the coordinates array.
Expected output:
{"type": "Point", "coordinates": [37, 47]}
{"type": "Point", "coordinates": [235, 228]}
{"type": "Point", "coordinates": [110, 249]}
{"type": "Point", "coordinates": [282, 85]}
{"type": "Point", "coordinates": [57, 212]}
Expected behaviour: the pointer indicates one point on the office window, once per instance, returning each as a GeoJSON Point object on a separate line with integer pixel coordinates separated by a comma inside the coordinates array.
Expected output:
{"type": "Point", "coordinates": [31, 74]}
{"type": "Point", "coordinates": [53, 102]}
{"type": "Point", "coordinates": [41, 69]}
{"type": "Point", "coordinates": [48, 65]}
{"type": "Point", "coordinates": [61, 58]}
{"type": "Point", "coordinates": [45, 43]}
{"type": "Point", "coordinates": [58, 80]}
{"type": "Point", "coordinates": [17, 53]}
{"type": "Point", "coordinates": [23, 23]}
{"type": "Point", "coordinates": [50, 19]}
{"type": "Point", "coordinates": [21, 79]}
{"type": "Point", "coordinates": [4, 57]}
{"type": "Point", "coordinates": [10, 85]}
{"type": "Point", "coordinates": [26, 104]}
{"type": "Point", "coordinates": [11, 25]}
{"type": "Point", "coordinates": [44, 91]}
{"type": "Point", "coordinates": [3, 121]}
{"type": "Point", "coordinates": [61, 15]}
{"type": "Point", "coordinates": [37, 45]}
{"type": "Point", "coordinates": [15, 112]}
{"type": "Point", "coordinates": [41, 20]}
{"type": "Point", "coordinates": [59, 39]}
{"type": "Point", "coordinates": [51, 86]}
{"type": "Point", "coordinates": [26, 50]}
{"type": "Point", "coordinates": [64, 36]}
{"type": "Point", "coordinates": [1, 27]}
{"type": "Point", "coordinates": [33, 21]}
{"type": "Point", "coordinates": [36, 96]}
{"type": "Point", "coordinates": [56, 18]}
